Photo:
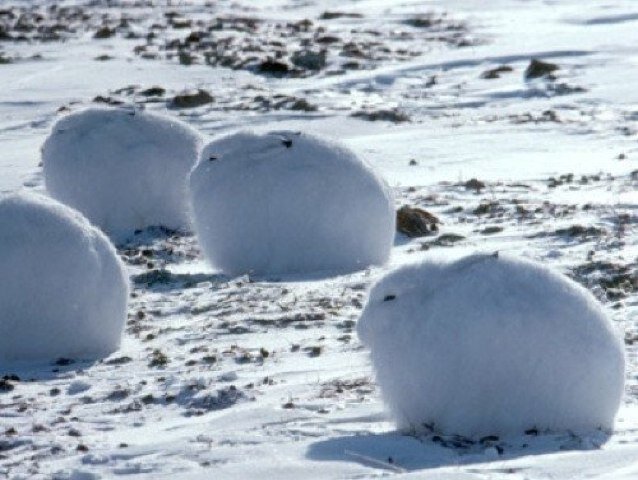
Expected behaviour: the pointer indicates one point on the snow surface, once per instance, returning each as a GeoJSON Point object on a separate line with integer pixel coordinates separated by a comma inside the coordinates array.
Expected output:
{"type": "Point", "coordinates": [125, 169]}
{"type": "Point", "coordinates": [310, 408]}
{"type": "Point", "coordinates": [492, 345]}
{"type": "Point", "coordinates": [64, 290]}
{"type": "Point", "coordinates": [289, 202]}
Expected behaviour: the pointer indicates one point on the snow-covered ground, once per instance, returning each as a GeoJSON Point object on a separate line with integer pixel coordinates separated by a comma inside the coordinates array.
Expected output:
{"type": "Point", "coordinates": [244, 377]}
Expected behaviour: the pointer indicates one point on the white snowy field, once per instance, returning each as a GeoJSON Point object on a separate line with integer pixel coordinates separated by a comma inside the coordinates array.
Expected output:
{"type": "Point", "coordinates": [263, 377]}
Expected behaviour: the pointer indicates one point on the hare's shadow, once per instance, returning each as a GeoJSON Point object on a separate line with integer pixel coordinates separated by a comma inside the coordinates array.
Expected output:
{"type": "Point", "coordinates": [394, 451]}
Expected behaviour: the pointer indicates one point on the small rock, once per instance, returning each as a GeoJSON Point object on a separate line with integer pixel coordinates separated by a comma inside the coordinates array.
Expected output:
{"type": "Point", "coordinates": [6, 386]}
{"type": "Point", "coordinates": [153, 92]}
{"type": "Point", "coordinates": [314, 351]}
{"type": "Point", "coordinates": [491, 230]}
{"type": "Point", "coordinates": [158, 359]}
{"type": "Point", "coordinates": [332, 15]}
{"type": "Point", "coordinates": [309, 60]}
{"type": "Point", "coordinates": [538, 68]}
{"type": "Point", "coordinates": [424, 21]}
{"type": "Point", "coordinates": [393, 115]}
{"type": "Point", "coordinates": [107, 100]}
{"type": "Point", "coordinates": [104, 32]}
{"type": "Point", "coordinates": [580, 231]}
{"type": "Point", "coordinates": [303, 105]}
{"type": "Point", "coordinates": [416, 222]}
{"type": "Point", "coordinates": [474, 184]}
{"type": "Point", "coordinates": [493, 73]}
{"type": "Point", "coordinates": [273, 67]}
{"type": "Point", "coordinates": [191, 99]}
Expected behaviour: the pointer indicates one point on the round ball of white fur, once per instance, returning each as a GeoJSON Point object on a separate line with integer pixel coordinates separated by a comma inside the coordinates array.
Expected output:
{"type": "Point", "coordinates": [123, 169]}
{"type": "Point", "coordinates": [492, 345]}
{"type": "Point", "coordinates": [63, 289]}
{"type": "Point", "coordinates": [287, 202]}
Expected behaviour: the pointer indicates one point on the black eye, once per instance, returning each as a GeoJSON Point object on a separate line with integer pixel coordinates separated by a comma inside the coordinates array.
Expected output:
{"type": "Point", "coordinates": [287, 142]}
{"type": "Point", "coordinates": [212, 158]}
{"type": "Point", "coordinates": [389, 298]}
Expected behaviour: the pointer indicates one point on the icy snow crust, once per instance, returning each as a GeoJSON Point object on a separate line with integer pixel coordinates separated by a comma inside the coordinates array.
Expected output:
{"type": "Point", "coordinates": [492, 345]}
{"type": "Point", "coordinates": [287, 202]}
{"type": "Point", "coordinates": [64, 290]}
{"type": "Point", "coordinates": [124, 169]}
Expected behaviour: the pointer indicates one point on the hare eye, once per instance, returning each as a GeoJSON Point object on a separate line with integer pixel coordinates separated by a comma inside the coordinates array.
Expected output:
{"type": "Point", "coordinates": [389, 298]}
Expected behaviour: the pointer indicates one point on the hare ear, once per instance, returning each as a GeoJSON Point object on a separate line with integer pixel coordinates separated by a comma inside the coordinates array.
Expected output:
{"type": "Point", "coordinates": [389, 298]}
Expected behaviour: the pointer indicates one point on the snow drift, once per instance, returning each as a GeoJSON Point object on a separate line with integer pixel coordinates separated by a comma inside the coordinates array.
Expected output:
{"type": "Point", "coordinates": [287, 202]}
{"type": "Point", "coordinates": [492, 345]}
{"type": "Point", "coordinates": [124, 169]}
{"type": "Point", "coordinates": [63, 289]}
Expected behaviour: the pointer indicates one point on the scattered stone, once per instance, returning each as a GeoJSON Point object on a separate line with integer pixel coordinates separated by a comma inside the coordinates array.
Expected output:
{"type": "Point", "coordinates": [191, 99]}
{"type": "Point", "coordinates": [309, 59]}
{"type": "Point", "coordinates": [553, 182]}
{"type": "Point", "coordinates": [118, 394]}
{"type": "Point", "coordinates": [273, 67]}
{"type": "Point", "coordinates": [580, 231]}
{"type": "Point", "coordinates": [436, 22]}
{"type": "Point", "coordinates": [107, 100]}
{"type": "Point", "coordinates": [153, 92]}
{"type": "Point", "coordinates": [314, 351]}
{"type": "Point", "coordinates": [546, 116]}
{"type": "Point", "coordinates": [496, 72]}
{"type": "Point", "coordinates": [392, 115]}
{"type": "Point", "coordinates": [444, 240]}
{"type": "Point", "coordinates": [6, 386]}
{"type": "Point", "coordinates": [334, 15]}
{"type": "Point", "coordinates": [185, 58]}
{"type": "Point", "coordinates": [118, 360]}
{"type": "Point", "coordinates": [474, 184]}
{"type": "Point", "coordinates": [538, 68]}
{"type": "Point", "coordinates": [565, 88]}
{"type": "Point", "coordinates": [416, 222]}
{"type": "Point", "coordinates": [486, 208]}
{"type": "Point", "coordinates": [491, 230]}
{"type": "Point", "coordinates": [158, 359]}
{"type": "Point", "coordinates": [104, 32]}
{"type": "Point", "coordinates": [303, 105]}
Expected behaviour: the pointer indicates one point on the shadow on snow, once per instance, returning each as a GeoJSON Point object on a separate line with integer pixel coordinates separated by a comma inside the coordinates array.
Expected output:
{"type": "Point", "coordinates": [398, 452]}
